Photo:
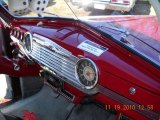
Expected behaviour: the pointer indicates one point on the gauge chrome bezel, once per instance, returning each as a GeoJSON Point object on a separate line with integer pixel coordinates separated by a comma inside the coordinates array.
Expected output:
{"type": "Point", "coordinates": [30, 36]}
{"type": "Point", "coordinates": [96, 73]}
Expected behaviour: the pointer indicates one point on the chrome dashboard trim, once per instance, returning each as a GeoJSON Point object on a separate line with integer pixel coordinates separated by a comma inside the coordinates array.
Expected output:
{"type": "Point", "coordinates": [54, 59]}
{"type": "Point", "coordinates": [50, 44]}
{"type": "Point", "coordinates": [14, 39]}
{"type": "Point", "coordinates": [57, 60]}
{"type": "Point", "coordinates": [20, 45]}
{"type": "Point", "coordinates": [30, 37]}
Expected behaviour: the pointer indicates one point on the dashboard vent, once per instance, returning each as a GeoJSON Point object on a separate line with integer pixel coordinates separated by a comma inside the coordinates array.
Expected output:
{"type": "Point", "coordinates": [17, 33]}
{"type": "Point", "coordinates": [54, 57]}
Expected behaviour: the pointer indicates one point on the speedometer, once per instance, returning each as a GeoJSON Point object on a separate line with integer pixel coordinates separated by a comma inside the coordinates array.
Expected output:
{"type": "Point", "coordinates": [87, 73]}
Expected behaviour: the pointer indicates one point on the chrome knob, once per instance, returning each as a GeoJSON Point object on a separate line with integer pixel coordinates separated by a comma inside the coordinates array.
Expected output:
{"type": "Point", "coordinates": [16, 67]}
{"type": "Point", "coordinates": [132, 91]}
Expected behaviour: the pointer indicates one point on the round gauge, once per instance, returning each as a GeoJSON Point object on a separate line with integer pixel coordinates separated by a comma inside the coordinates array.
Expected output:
{"type": "Point", "coordinates": [28, 42]}
{"type": "Point", "coordinates": [87, 73]}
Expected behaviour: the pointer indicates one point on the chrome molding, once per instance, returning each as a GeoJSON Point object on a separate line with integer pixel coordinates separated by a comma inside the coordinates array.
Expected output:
{"type": "Point", "coordinates": [30, 37]}
{"type": "Point", "coordinates": [54, 59]}
{"type": "Point", "coordinates": [20, 44]}
{"type": "Point", "coordinates": [57, 60]}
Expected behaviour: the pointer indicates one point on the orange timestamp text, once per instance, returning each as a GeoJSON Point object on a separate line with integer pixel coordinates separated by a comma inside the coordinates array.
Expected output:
{"type": "Point", "coordinates": [129, 107]}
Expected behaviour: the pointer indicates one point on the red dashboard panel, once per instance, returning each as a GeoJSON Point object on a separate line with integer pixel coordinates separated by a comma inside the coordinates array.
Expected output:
{"type": "Point", "coordinates": [118, 69]}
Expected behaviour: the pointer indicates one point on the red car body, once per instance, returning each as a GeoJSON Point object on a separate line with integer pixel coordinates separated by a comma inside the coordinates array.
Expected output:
{"type": "Point", "coordinates": [119, 68]}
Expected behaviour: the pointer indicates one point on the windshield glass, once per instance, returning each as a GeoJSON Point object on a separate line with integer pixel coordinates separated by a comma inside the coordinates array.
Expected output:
{"type": "Point", "coordinates": [79, 8]}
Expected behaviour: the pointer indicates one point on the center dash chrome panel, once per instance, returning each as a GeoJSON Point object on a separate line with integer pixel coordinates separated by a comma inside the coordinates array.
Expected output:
{"type": "Point", "coordinates": [57, 59]}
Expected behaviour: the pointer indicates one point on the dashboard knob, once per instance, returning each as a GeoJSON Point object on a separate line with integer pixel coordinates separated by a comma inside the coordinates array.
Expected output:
{"type": "Point", "coordinates": [15, 52]}
{"type": "Point", "coordinates": [132, 91]}
{"type": "Point", "coordinates": [16, 67]}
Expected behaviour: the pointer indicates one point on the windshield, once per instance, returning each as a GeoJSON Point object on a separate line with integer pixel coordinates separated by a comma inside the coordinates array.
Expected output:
{"type": "Point", "coordinates": [77, 8]}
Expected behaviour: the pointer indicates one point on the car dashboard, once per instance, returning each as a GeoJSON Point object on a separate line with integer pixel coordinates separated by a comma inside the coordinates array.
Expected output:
{"type": "Point", "coordinates": [76, 63]}
{"type": "Point", "coordinates": [53, 58]}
